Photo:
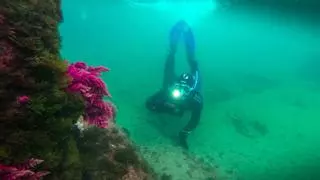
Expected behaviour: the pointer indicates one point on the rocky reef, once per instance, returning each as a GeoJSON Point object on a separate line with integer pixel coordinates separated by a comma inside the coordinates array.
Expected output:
{"type": "Point", "coordinates": [41, 99]}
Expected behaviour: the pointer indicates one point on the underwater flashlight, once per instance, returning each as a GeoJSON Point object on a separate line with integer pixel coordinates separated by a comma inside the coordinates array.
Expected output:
{"type": "Point", "coordinates": [176, 93]}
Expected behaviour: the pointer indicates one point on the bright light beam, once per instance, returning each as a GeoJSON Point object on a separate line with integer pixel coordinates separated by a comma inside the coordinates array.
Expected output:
{"type": "Point", "coordinates": [190, 11]}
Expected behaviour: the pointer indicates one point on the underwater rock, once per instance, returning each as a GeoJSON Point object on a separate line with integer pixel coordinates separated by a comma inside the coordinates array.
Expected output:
{"type": "Point", "coordinates": [126, 131]}
{"type": "Point", "coordinates": [174, 163]}
{"type": "Point", "coordinates": [22, 171]}
{"type": "Point", "coordinates": [109, 154]}
{"type": "Point", "coordinates": [38, 115]}
{"type": "Point", "coordinates": [166, 177]}
{"type": "Point", "coordinates": [247, 127]}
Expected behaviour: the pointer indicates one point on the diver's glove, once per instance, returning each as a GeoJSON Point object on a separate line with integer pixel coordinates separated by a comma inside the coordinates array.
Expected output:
{"type": "Point", "coordinates": [176, 33]}
{"type": "Point", "coordinates": [183, 135]}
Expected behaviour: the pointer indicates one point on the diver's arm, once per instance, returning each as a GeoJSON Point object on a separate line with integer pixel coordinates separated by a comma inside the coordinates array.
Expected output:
{"type": "Point", "coordinates": [156, 101]}
{"type": "Point", "coordinates": [193, 122]}
{"type": "Point", "coordinates": [197, 105]}
{"type": "Point", "coordinates": [196, 101]}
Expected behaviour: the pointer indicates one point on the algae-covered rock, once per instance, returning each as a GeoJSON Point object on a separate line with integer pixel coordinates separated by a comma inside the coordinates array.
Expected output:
{"type": "Point", "coordinates": [42, 125]}
{"type": "Point", "coordinates": [30, 66]}
{"type": "Point", "coordinates": [109, 154]}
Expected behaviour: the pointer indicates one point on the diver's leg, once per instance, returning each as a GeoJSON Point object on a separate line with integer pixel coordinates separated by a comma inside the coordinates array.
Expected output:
{"type": "Point", "coordinates": [169, 73]}
{"type": "Point", "coordinates": [175, 35]}
{"type": "Point", "coordinates": [190, 49]}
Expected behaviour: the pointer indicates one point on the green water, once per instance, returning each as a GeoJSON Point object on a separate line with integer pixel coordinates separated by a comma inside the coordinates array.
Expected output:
{"type": "Point", "coordinates": [260, 116]}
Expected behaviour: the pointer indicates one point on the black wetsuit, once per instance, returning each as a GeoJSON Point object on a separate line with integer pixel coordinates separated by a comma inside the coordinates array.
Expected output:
{"type": "Point", "coordinates": [162, 102]}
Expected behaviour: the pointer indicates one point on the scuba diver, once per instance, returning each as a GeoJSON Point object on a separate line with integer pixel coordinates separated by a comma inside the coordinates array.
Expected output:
{"type": "Point", "coordinates": [182, 93]}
